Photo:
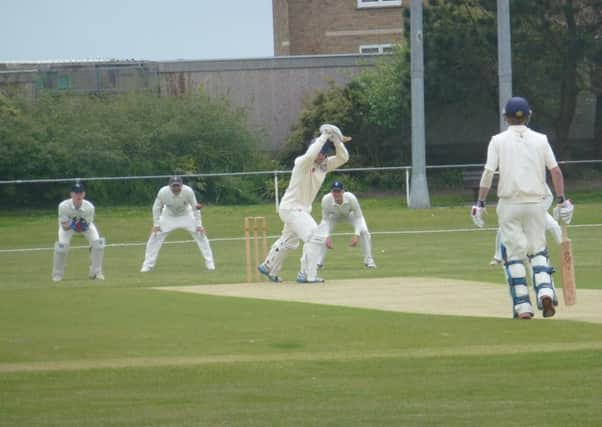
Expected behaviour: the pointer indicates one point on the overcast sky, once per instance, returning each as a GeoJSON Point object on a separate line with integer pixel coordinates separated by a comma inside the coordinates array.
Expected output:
{"type": "Point", "coordinates": [36, 30]}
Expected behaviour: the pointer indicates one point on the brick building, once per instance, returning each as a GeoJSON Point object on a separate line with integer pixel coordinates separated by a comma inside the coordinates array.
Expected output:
{"type": "Point", "coordinates": [325, 27]}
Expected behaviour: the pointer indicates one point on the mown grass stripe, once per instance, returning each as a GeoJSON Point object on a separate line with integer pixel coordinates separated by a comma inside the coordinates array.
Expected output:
{"type": "Point", "coordinates": [184, 361]}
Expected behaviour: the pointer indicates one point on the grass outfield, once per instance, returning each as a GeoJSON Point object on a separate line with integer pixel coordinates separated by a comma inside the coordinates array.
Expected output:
{"type": "Point", "coordinates": [118, 353]}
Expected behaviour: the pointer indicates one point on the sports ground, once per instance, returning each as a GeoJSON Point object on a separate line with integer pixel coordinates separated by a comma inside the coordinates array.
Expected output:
{"type": "Point", "coordinates": [425, 339]}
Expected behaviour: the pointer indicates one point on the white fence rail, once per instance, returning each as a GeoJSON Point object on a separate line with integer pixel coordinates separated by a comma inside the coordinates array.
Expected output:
{"type": "Point", "coordinates": [275, 174]}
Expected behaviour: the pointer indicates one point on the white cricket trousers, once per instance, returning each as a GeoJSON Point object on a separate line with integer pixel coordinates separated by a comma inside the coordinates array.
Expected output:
{"type": "Point", "coordinates": [522, 227]}
{"type": "Point", "coordinates": [327, 226]}
{"type": "Point", "coordinates": [299, 224]}
{"type": "Point", "coordinates": [168, 224]}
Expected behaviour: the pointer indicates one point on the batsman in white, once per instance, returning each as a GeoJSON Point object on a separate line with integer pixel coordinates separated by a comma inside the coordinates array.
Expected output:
{"type": "Point", "coordinates": [522, 156]}
{"type": "Point", "coordinates": [76, 215]}
{"type": "Point", "coordinates": [294, 210]}
{"type": "Point", "coordinates": [176, 207]}
{"type": "Point", "coordinates": [552, 226]}
{"type": "Point", "coordinates": [340, 205]}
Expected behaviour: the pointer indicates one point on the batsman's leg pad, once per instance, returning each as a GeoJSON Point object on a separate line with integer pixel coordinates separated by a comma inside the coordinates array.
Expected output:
{"type": "Point", "coordinates": [519, 291]}
{"type": "Point", "coordinates": [278, 253]}
{"type": "Point", "coordinates": [59, 258]}
{"type": "Point", "coordinates": [312, 249]}
{"type": "Point", "coordinates": [542, 278]}
{"type": "Point", "coordinates": [97, 251]}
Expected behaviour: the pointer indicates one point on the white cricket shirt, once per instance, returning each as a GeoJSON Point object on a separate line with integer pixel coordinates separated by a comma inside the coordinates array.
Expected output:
{"type": "Point", "coordinates": [307, 176]}
{"type": "Point", "coordinates": [168, 203]}
{"type": "Point", "coordinates": [68, 211]}
{"type": "Point", "coordinates": [521, 155]}
{"type": "Point", "coordinates": [348, 210]}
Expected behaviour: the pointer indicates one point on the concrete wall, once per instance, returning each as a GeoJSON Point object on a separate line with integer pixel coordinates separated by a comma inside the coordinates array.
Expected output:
{"type": "Point", "coordinates": [271, 90]}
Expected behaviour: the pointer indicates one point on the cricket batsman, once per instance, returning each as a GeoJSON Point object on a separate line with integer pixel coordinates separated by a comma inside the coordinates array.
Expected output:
{"type": "Point", "coordinates": [76, 215]}
{"type": "Point", "coordinates": [308, 174]}
{"type": "Point", "coordinates": [522, 157]}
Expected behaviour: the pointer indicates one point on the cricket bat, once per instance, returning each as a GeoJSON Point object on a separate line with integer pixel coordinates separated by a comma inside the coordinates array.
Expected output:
{"type": "Point", "coordinates": [567, 269]}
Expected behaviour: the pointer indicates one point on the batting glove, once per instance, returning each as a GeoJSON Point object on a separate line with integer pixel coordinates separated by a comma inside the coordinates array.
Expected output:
{"type": "Point", "coordinates": [564, 211]}
{"type": "Point", "coordinates": [334, 133]}
{"type": "Point", "coordinates": [476, 213]}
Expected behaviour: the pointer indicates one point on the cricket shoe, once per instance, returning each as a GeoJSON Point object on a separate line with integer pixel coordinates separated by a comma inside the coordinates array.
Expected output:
{"type": "Point", "coordinates": [548, 307]}
{"type": "Point", "coordinates": [301, 278]}
{"type": "Point", "coordinates": [145, 270]}
{"type": "Point", "coordinates": [370, 264]}
{"type": "Point", "coordinates": [57, 278]}
{"type": "Point", "coordinates": [523, 311]}
{"type": "Point", "coordinates": [263, 269]}
{"type": "Point", "coordinates": [97, 276]}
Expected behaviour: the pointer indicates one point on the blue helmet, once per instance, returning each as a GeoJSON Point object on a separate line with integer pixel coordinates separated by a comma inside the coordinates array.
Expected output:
{"type": "Point", "coordinates": [517, 107]}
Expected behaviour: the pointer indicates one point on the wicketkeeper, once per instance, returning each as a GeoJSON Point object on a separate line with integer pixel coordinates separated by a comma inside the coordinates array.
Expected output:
{"type": "Point", "coordinates": [176, 207]}
{"type": "Point", "coordinates": [338, 206]}
{"type": "Point", "coordinates": [522, 156]}
{"type": "Point", "coordinates": [76, 215]}
{"type": "Point", "coordinates": [295, 207]}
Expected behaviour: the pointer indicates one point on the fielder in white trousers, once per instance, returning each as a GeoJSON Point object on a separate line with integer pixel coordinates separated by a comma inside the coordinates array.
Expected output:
{"type": "Point", "coordinates": [76, 216]}
{"type": "Point", "coordinates": [338, 206]}
{"type": "Point", "coordinates": [176, 207]}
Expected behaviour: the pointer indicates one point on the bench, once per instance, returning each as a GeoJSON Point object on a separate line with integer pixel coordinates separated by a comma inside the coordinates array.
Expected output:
{"type": "Point", "coordinates": [472, 181]}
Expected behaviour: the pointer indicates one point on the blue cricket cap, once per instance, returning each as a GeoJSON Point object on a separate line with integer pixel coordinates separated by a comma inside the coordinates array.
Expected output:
{"type": "Point", "coordinates": [78, 187]}
{"type": "Point", "coordinates": [517, 107]}
{"type": "Point", "coordinates": [337, 186]}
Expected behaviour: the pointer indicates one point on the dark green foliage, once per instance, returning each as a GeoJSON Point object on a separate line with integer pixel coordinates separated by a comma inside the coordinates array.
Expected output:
{"type": "Point", "coordinates": [374, 108]}
{"type": "Point", "coordinates": [62, 136]}
{"type": "Point", "coordinates": [556, 52]}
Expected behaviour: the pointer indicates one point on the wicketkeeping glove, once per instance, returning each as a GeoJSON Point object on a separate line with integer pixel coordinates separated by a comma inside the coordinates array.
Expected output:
{"type": "Point", "coordinates": [79, 225]}
{"type": "Point", "coordinates": [564, 211]}
{"type": "Point", "coordinates": [476, 213]}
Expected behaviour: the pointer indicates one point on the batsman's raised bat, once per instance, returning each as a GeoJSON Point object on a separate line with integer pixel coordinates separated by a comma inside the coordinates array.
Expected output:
{"type": "Point", "coordinates": [567, 269]}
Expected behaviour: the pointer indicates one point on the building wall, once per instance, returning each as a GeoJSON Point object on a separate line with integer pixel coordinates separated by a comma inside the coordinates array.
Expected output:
{"type": "Point", "coordinates": [271, 90]}
{"type": "Point", "coordinates": [311, 27]}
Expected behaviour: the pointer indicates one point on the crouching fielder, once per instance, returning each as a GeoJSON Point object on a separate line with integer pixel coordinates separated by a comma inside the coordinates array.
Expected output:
{"type": "Point", "coordinates": [176, 207]}
{"type": "Point", "coordinates": [76, 215]}
{"type": "Point", "coordinates": [295, 207]}
{"type": "Point", "coordinates": [522, 157]}
{"type": "Point", "coordinates": [340, 205]}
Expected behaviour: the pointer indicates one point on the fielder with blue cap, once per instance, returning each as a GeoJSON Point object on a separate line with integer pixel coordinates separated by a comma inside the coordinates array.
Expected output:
{"type": "Point", "coordinates": [342, 206]}
{"type": "Point", "coordinates": [76, 215]}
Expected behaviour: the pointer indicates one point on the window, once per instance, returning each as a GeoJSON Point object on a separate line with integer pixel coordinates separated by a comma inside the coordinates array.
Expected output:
{"type": "Point", "coordinates": [377, 3]}
{"type": "Point", "coordinates": [376, 48]}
